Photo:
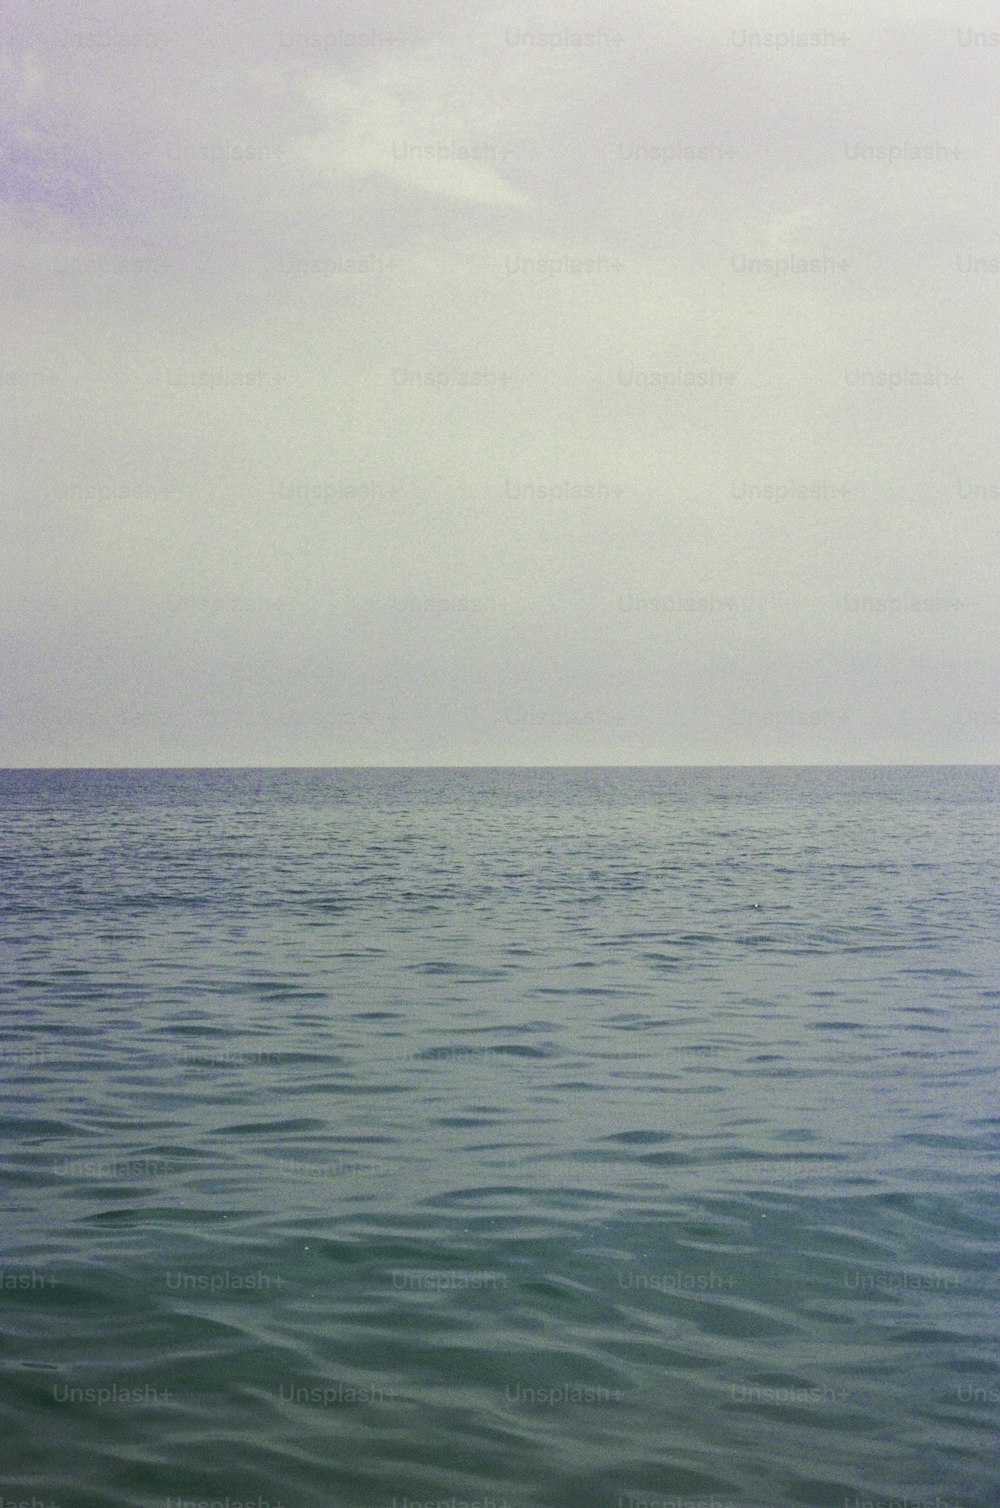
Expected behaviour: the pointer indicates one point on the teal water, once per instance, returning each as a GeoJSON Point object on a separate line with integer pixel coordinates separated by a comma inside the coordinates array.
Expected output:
{"type": "Point", "coordinates": [540, 1138]}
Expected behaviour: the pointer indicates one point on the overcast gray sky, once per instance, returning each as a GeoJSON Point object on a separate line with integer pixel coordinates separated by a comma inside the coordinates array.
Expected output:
{"type": "Point", "coordinates": [499, 383]}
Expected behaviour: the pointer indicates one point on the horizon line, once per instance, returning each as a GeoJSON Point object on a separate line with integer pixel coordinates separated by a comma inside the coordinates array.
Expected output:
{"type": "Point", "coordinates": [768, 765]}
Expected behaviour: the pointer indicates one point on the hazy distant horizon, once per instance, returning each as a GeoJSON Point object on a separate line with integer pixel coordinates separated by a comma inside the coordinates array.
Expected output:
{"type": "Point", "coordinates": [321, 768]}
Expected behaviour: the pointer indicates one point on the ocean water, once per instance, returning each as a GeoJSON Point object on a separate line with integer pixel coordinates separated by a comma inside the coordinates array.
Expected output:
{"type": "Point", "coordinates": [544, 1138]}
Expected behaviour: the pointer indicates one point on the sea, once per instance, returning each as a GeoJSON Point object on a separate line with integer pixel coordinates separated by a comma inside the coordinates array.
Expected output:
{"type": "Point", "coordinates": [500, 1138]}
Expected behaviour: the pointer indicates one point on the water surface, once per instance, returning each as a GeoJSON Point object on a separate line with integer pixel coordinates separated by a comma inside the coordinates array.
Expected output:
{"type": "Point", "coordinates": [549, 1138]}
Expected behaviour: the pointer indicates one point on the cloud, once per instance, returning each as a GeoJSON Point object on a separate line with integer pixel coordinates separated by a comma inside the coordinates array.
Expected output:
{"type": "Point", "coordinates": [399, 123]}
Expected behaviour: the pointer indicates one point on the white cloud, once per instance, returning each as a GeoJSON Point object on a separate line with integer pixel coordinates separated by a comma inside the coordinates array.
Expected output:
{"type": "Point", "coordinates": [400, 123]}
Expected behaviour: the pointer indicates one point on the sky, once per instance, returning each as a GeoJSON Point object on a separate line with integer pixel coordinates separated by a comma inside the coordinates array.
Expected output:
{"type": "Point", "coordinates": [499, 383]}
